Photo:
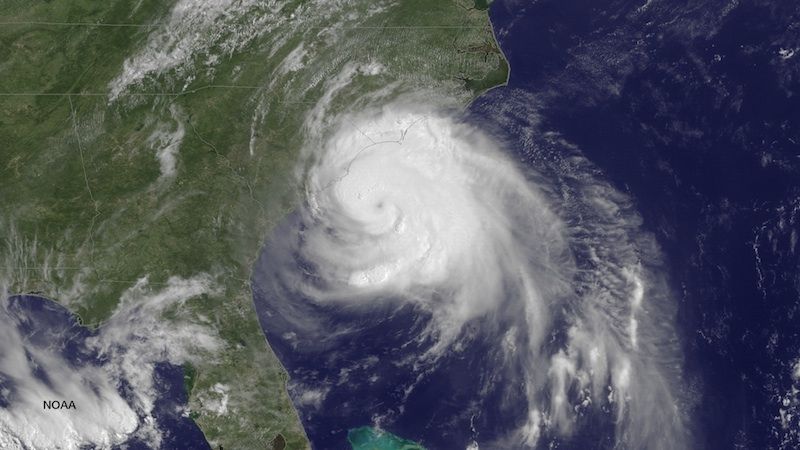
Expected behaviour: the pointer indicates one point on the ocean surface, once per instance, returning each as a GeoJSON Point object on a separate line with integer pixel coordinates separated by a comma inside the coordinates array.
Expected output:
{"type": "Point", "coordinates": [692, 108]}
{"type": "Point", "coordinates": [689, 108]}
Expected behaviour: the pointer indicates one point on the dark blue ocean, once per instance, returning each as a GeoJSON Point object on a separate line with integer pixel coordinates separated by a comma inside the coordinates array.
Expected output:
{"type": "Point", "coordinates": [692, 109]}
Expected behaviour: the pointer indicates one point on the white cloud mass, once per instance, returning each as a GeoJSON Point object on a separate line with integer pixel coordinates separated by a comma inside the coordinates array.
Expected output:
{"type": "Point", "coordinates": [124, 351]}
{"type": "Point", "coordinates": [406, 202]}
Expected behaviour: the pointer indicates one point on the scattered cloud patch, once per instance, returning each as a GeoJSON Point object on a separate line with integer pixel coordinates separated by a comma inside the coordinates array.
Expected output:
{"type": "Point", "coordinates": [167, 142]}
{"type": "Point", "coordinates": [108, 373]}
{"type": "Point", "coordinates": [215, 400]}
{"type": "Point", "coordinates": [31, 372]}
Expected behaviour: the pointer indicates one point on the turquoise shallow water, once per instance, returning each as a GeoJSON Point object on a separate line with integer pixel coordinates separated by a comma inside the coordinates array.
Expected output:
{"type": "Point", "coordinates": [368, 438]}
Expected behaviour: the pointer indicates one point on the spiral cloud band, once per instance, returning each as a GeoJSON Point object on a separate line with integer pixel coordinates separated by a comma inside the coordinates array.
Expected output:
{"type": "Point", "coordinates": [411, 204]}
{"type": "Point", "coordinates": [407, 204]}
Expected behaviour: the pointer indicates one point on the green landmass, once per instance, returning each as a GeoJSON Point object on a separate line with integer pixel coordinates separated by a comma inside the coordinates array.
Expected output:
{"type": "Point", "coordinates": [369, 438]}
{"type": "Point", "coordinates": [88, 102]}
{"type": "Point", "coordinates": [189, 377]}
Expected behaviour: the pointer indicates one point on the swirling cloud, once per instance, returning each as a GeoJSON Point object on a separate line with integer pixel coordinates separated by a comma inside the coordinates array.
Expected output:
{"type": "Point", "coordinates": [407, 203]}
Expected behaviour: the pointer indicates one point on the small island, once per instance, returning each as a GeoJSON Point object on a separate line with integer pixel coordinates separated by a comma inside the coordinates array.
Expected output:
{"type": "Point", "coordinates": [370, 438]}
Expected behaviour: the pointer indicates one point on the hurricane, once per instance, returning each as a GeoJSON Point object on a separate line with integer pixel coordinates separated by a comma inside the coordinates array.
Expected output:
{"type": "Point", "coordinates": [503, 300]}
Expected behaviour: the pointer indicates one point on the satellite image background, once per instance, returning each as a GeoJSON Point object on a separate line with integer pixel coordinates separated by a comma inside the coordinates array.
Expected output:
{"type": "Point", "coordinates": [521, 224]}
